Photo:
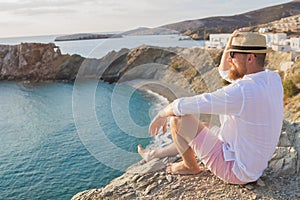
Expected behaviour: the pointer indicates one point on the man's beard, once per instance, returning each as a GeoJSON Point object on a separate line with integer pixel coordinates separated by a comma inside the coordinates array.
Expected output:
{"type": "Point", "coordinates": [233, 73]}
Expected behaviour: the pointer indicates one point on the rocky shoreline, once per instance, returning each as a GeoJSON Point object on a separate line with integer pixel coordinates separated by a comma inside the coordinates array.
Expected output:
{"type": "Point", "coordinates": [172, 73]}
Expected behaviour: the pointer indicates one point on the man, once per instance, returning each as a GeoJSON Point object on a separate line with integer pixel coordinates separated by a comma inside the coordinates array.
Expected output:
{"type": "Point", "coordinates": [250, 110]}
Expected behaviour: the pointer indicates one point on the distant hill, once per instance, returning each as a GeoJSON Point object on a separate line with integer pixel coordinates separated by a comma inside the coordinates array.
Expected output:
{"type": "Point", "coordinates": [85, 36]}
{"type": "Point", "coordinates": [150, 31]}
{"type": "Point", "coordinates": [289, 25]}
{"type": "Point", "coordinates": [201, 28]}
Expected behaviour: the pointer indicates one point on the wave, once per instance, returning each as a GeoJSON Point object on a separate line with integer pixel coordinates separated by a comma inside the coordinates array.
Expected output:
{"type": "Point", "coordinates": [161, 140]}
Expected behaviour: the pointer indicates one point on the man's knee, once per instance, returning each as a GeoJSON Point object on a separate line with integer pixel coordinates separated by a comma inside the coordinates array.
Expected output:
{"type": "Point", "coordinates": [186, 126]}
{"type": "Point", "coordinates": [178, 122]}
{"type": "Point", "coordinates": [175, 121]}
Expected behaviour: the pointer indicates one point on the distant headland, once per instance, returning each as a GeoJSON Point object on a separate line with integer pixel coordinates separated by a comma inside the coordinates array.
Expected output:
{"type": "Point", "coordinates": [138, 31]}
{"type": "Point", "coordinates": [86, 36]}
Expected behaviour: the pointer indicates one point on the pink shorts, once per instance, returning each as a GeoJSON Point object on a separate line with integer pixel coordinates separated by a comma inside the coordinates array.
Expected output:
{"type": "Point", "coordinates": [208, 148]}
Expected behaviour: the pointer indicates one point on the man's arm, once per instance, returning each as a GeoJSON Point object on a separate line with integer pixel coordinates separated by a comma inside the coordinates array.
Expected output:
{"type": "Point", "coordinates": [224, 64]}
{"type": "Point", "coordinates": [228, 100]}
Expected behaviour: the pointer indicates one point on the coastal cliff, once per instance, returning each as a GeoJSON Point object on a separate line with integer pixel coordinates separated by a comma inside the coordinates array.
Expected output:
{"type": "Point", "coordinates": [36, 62]}
{"type": "Point", "coordinates": [171, 72]}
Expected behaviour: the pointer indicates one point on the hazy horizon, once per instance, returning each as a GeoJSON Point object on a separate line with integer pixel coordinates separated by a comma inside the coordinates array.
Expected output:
{"type": "Point", "coordinates": [37, 18]}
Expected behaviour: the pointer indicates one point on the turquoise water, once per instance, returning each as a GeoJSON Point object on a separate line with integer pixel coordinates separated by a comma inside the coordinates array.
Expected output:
{"type": "Point", "coordinates": [60, 139]}
{"type": "Point", "coordinates": [44, 146]}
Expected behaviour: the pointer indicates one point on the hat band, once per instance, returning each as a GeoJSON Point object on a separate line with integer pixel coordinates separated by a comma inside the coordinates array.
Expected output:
{"type": "Point", "coordinates": [247, 48]}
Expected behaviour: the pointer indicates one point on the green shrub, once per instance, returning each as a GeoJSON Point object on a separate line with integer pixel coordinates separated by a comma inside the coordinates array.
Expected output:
{"type": "Point", "coordinates": [175, 65]}
{"type": "Point", "coordinates": [290, 89]}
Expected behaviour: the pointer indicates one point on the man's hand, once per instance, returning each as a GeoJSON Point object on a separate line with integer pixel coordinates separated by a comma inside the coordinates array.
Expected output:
{"type": "Point", "coordinates": [234, 34]}
{"type": "Point", "coordinates": [160, 120]}
{"type": "Point", "coordinates": [156, 123]}
{"type": "Point", "coordinates": [224, 64]}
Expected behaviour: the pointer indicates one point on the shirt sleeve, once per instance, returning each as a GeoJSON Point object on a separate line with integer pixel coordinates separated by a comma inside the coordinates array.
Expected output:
{"type": "Point", "coordinates": [228, 100]}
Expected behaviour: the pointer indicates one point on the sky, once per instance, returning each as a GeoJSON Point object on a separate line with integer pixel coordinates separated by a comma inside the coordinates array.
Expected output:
{"type": "Point", "coordinates": [51, 17]}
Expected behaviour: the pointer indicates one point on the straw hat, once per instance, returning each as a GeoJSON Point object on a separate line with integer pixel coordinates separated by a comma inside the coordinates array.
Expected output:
{"type": "Point", "coordinates": [249, 42]}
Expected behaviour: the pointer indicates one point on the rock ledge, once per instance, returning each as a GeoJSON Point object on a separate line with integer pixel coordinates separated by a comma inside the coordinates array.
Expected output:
{"type": "Point", "coordinates": [149, 181]}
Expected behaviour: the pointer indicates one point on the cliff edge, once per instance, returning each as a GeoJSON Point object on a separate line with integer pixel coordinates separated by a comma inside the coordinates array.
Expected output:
{"type": "Point", "coordinates": [149, 181]}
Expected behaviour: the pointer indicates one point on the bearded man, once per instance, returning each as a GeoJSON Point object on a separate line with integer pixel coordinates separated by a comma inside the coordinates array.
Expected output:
{"type": "Point", "coordinates": [250, 110]}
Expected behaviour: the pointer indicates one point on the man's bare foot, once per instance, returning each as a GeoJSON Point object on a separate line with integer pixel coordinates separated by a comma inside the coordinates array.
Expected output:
{"type": "Point", "coordinates": [146, 154]}
{"type": "Point", "coordinates": [181, 168]}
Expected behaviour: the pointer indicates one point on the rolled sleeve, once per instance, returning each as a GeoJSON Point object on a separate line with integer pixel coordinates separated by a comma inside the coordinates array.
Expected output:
{"type": "Point", "coordinates": [176, 107]}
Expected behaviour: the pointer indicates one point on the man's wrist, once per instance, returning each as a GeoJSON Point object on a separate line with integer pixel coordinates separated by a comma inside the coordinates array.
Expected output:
{"type": "Point", "coordinates": [228, 46]}
{"type": "Point", "coordinates": [162, 113]}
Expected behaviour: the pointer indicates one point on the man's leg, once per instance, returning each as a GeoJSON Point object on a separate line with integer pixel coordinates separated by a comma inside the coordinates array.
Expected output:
{"type": "Point", "coordinates": [184, 130]}
{"type": "Point", "coordinates": [149, 154]}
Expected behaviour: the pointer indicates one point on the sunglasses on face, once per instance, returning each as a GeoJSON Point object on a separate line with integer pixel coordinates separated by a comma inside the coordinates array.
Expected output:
{"type": "Point", "coordinates": [231, 53]}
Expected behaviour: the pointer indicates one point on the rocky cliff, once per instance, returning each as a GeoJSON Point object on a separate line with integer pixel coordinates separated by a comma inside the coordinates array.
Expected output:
{"type": "Point", "coordinates": [43, 62]}
{"type": "Point", "coordinates": [180, 67]}
{"type": "Point", "coordinates": [149, 181]}
{"type": "Point", "coordinates": [173, 71]}
{"type": "Point", "coordinates": [36, 62]}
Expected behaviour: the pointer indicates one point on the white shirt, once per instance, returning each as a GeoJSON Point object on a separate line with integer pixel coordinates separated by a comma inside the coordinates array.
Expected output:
{"type": "Point", "coordinates": [251, 115]}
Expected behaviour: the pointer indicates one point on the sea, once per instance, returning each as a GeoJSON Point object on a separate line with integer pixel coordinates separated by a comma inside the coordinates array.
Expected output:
{"type": "Point", "coordinates": [58, 139]}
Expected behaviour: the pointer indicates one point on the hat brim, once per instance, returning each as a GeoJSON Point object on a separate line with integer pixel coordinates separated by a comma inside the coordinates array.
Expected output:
{"type": "Point", "coordinates": [249, 51]}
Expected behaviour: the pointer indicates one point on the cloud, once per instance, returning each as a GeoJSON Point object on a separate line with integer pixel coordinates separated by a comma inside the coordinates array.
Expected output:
{"type": "Point", "coordinates": [9, 24]}
{"type": "Point", "coordinates": [38, 4]}
{"type": "Point", "coordinates": [42, 11]}
{"type": "Point", "coordinates": [67, 7]}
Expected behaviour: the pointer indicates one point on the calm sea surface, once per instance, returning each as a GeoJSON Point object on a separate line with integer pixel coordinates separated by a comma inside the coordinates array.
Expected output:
{"type": "Point", "coordinates": [60, 139]}
{"type": "Point", "coordinates": [99, 48]}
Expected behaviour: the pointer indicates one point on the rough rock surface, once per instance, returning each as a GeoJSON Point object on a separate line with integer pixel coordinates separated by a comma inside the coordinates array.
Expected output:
{"type": "Point", "coordinates": [149, 181]}
{"type": "Point", "coordinates": [30, 62]}
{"type": "Point", "coordinates": [36, 62]}
{"type": "Point", "coordinates": [292, 109]}
{"type": "Point", "coordinates": [189, 71]}
{"type": "Point", "coordinates": [292, 105]}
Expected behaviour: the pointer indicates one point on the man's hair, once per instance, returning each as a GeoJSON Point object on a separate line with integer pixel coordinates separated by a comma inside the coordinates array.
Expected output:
{"type": "Point", "coordinates": [260, 59]}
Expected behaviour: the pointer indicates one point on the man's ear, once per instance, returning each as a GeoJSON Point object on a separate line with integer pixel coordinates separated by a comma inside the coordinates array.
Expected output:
{"type": "Point", "coordinates": [251, 58]}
